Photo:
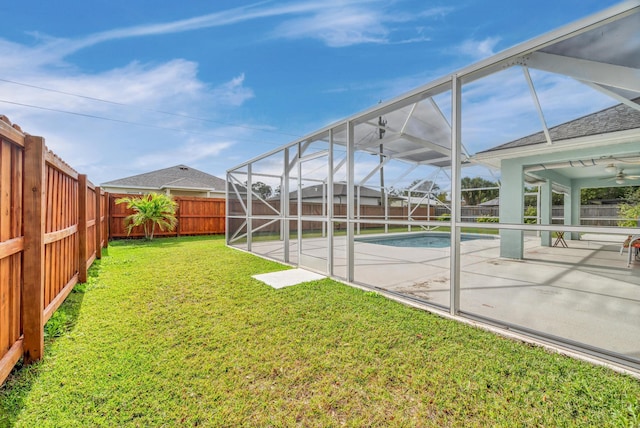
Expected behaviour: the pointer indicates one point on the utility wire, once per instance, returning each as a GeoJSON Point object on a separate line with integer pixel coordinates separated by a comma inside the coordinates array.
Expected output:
{"type": "Point", "coordinates": [254, 128]}
{"type": "Point", "coordinates": [110, 119]}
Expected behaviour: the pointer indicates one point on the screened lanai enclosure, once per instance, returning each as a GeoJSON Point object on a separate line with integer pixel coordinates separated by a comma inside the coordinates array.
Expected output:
{"type": "Point", "coordinates": [377, 199]}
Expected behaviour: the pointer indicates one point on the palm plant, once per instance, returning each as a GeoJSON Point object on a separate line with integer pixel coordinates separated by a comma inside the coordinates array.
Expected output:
{"type": "Point", "coordinates": [148, 211]}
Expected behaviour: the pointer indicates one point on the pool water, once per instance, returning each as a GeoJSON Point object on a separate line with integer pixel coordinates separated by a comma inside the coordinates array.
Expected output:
{"type": "Point", "coordinates": [421, 240]}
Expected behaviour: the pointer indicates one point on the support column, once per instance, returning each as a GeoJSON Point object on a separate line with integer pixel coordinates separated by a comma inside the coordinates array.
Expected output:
{"type": "Point", "coordinates": [249, 207]}
{"type": "Point", "coordinates": [284, 205]}
{"type": "Point", "coordinates": [329, 202]}
{"type": "Point", "coordinates": [567, 210]}
{"type": "Point", "coordinates": [350, 201]}
{"type": "Point", "coordinates": [545, 213]}
{"type": "Point", "coordinates": [575, 208]}
{"type": "Point", "coordinates": [511, 209]}
{"type": "Point", "coordinates": [226, 209]}
{"type": "Point", "coordinates": [456, 195]}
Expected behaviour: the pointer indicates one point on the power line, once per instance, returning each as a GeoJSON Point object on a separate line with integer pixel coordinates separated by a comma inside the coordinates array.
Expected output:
{"type": "Point", "coordinates": [110, 119]}
{"type": "Point", "coordinates": [253, 128]}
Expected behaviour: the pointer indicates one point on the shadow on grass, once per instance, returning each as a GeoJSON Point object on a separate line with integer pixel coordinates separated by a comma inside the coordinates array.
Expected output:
{"type": "Point", "coordinates": [170, 241]}
{"type": "Point", "coordinates": [63, 321]}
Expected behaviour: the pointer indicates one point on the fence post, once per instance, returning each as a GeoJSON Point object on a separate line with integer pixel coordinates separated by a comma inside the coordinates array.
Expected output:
{"type": "Point", "coordinates": [82, 228]}
{"type": "Point", "coordinates": [107, 219]}
{"type": "Point", "coordinates": [179, 225]}
{"type": "Point", "coordinates": [110, 204]}
{"type": "Point", "coordinates": [33, 265]}
{"type": "Point", "coordinates": [98, 223]}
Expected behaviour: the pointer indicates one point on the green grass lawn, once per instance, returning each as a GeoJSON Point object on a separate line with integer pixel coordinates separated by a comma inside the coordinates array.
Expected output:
{"type": "Point", "coordinates": [177, 333]}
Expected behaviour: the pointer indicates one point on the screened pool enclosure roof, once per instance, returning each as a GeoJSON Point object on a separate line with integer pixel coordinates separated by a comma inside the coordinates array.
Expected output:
{"type": "Point", "coordinates": [601, 51]}
{"type": "Point", "coordinates": [559, 112]}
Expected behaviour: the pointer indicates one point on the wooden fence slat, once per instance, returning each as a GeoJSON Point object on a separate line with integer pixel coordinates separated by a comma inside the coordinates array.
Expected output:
{"type": "Point", "coordinates": [16, 206]}
{"type": "Point", "coordinates": [15, 327]}
{"type": "Point", "coordinates": [9, 360]}
{"type": "Point", "coordinates": [59, 299]}
{"type": "Point", "coordinates": [59, 215]}
{"type": "Point", "coordinates": [5, 224]}
{"type": "Point", "coordinates": [11, 247]}
{"type": "Point", "coordinates": [60, 234]}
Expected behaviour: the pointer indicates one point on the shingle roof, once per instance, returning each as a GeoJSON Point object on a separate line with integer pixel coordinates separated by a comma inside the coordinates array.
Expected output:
{"type": "Point", "coordinates": [179, 176]}
{"type": "Point", "coordinates": [617, 118]}
{"type": "Point", "coordinates": [339, 189]}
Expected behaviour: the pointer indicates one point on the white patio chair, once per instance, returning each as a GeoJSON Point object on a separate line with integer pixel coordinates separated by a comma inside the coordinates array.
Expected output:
{"type": "Point", "coordinates": [629, 243]}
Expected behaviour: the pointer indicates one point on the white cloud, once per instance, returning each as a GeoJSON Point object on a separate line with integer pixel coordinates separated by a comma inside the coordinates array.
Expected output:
{"type": "Point", "coordinates": [479, 49]}
{"type": "Point", "coordinates": [111, 149]}
{"type": "Point", "coordinates": [340, 24]}
{"type": "Point", "coordinates": [233, 92]}
{"type": "Point", "coordinates": [338, 27]}
{"type": "Point", "coordinates": [336, 22]}
{"type": "Point", "coordinates": [190, 152]}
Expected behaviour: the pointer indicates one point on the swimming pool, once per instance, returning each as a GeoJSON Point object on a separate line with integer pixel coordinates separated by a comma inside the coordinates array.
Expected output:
{"type": "Point", "coordinates": [421, 240]}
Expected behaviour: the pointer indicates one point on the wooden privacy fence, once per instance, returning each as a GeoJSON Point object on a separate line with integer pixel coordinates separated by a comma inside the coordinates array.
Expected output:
{"type": "Point", "coordinates": [53, 225]}
{"type": "Point", "coordinates": [316, 209]}
{"type": "Point", "coordinates": [590, 215]}
{"type": "Point", "coordinates": [196, 216]}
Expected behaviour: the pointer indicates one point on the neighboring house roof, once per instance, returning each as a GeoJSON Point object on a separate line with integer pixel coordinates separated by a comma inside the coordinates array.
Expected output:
{"type": "Point", "coordinates": [175, 177]}
{"type": "Point", "coordinates": [490, 203]}
{"type": "Point", "coordinates": [426, 200]}
{"type": "Point", "coordinates": [339, 190]}
{"type": "Point", "coordinates": [617, 118]}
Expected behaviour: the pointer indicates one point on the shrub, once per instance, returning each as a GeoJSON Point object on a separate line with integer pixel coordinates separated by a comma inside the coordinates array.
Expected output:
{"type": "Point", "coordinates": [150, 210]}
{"type": "Point", "coordinates": [488, 219]}
{"type": "Point", "coordinates": [630, 215]}
{"type": "Point", "coordinates": [531, 212]}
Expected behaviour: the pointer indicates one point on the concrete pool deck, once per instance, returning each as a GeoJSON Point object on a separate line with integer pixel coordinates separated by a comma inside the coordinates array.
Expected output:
{"type": "Point", "coordinates": [584, 293]}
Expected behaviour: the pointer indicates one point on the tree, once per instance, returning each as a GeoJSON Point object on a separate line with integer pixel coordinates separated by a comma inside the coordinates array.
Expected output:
{"type": "Point", "coordinates": [476, 197]}
{"type": "Point", "coordinates": [590, 194]}
{"type": "Point", "coordinates": [442, 197]}
{"type": "Point", "coordinates": [261, 189]}
{"type": "Point", "coordinates": [633, 195]}
{"type": "Point", "coordinates": [148, 211]}
{"type": "Point", "coordinates": [630, 212]}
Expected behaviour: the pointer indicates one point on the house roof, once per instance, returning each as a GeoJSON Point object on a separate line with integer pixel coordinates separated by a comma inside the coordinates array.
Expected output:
{"type": "Point", "coordinates": [339, 189]}
{"type": "Point", "coordinates": [617, 118]}
{"type": "Point", "coordinates": [491, 203]}
{"type": "Point", "coordinates": [175, 177]}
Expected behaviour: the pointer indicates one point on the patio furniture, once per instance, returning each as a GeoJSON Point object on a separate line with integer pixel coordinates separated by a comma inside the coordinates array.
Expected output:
{"type": "Point", "coordinates": [560, 240]}
{"type": "Point", "coordinates": [633, 244]}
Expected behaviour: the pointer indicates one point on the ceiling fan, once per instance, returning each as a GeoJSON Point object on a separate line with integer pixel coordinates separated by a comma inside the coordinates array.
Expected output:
{"type": "Point", "coordinates": [620, 177]}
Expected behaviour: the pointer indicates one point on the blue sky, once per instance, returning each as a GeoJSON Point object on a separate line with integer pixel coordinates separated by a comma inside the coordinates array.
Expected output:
{"type": "Point", "coordinates": [211, 84]}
